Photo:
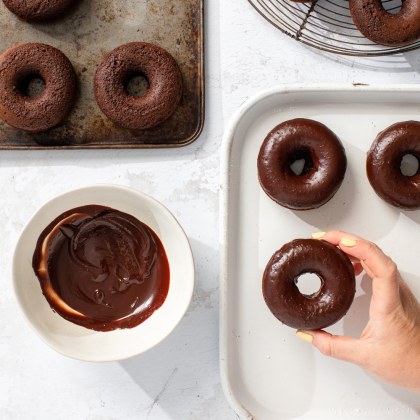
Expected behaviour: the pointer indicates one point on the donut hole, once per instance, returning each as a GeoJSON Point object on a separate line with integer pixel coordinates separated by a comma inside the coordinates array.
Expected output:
{"type": "Point", "coordinates": [410, 165]}
{"type": "Point", "coordinates": [31, 84]}
{"type": "Point", "coordinates": [392, 6]}
{"type": "Point", "coordinates": [136, 85]}
{"type": "Point", "coordinates": [308, 284]}
{"type": "Point", "coordinates": [301, 163]}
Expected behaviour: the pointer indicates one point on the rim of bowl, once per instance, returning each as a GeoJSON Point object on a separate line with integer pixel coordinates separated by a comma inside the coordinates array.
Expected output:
{"type": "Point", "coordinates": [151, 202]}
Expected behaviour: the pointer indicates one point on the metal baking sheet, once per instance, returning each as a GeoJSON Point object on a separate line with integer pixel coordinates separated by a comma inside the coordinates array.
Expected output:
{"type": "Point", "coordinates": [267, 373]}
{"type": "Point", "coordinates": [85, 35]}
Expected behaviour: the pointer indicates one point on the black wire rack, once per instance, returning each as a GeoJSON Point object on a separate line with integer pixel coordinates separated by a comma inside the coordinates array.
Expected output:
{"type": "Point", "coordinates": [326, 25]}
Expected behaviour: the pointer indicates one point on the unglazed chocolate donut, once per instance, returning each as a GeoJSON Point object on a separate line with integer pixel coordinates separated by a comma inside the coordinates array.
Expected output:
{"type": "Point", "coordinates": [39, 10]}
{"type": "Point", "coordinates": [383, 165]}
{"type": "Point", "coordinates": [23, 63]}
{"type": "Point", "coordinates": [323, 172]}
{"type": "Point", "coordinates": [162, 97]}
{"type": "Point", "coordinates": [385, 28]}
{"type": "Point", "coordinates": [321, 309]}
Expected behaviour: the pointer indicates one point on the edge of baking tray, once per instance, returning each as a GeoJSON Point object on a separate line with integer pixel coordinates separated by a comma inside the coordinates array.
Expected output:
{"type": "Point", "coordinates": [226, 153]}
{"type": "Point", "coordinates": [200, 126]}
{"type": "Point", "coordinates": [185, 142]}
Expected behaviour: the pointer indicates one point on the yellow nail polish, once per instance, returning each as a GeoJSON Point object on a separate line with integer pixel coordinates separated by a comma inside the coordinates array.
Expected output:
{"type": "Point", "coordinates": [318, 235]}
{"type": "Point", "coordinates": [305, 336]}
{"type": "Point", "coordinates": [348, 242]}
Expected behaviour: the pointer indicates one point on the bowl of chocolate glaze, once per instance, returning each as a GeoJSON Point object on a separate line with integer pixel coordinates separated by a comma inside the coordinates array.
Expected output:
{"type": "Point", "coordinates": [103, 273]}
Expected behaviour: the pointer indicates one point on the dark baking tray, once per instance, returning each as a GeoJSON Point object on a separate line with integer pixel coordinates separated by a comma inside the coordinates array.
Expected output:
{"type": "Point", "coordinates": [85, 35]}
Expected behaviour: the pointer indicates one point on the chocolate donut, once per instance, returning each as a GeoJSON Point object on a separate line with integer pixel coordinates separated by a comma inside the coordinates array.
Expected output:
{"type": "Point", "coordinates": [322, 174]}
{"type": "Point", "coordinates": [39, 10]}
{"type": "Point", "coordinates": [385, 28]}
{"type": "Point", "coordinates": [383, 165]}
{"type": "Point", "coordinates": [26, 62]}
{"type": "Point", "coordinates": [321, 309]}
{"type": "Point", "coordinates": [162, 97]}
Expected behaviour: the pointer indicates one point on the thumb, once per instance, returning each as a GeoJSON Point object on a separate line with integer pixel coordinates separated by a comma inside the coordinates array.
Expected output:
{"type": "Point", "coordinates": [336, 346]}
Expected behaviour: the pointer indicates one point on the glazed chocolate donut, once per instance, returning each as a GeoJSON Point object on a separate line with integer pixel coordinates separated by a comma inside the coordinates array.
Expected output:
{"type": "Point", "coordinates": [324, 307]}
{"type": "Point", "coordinates": [385, 28]}
{"type": "Point", "coordinates": [383, 165]}
{"type": "Point", "coordinates": [162, 97]}
{"type": "Point", "coordinates": [39, 10]}
{"type": "Point", "coordinates": [23, 63]}
{"type": "Point", "coordinates": [323, 172]}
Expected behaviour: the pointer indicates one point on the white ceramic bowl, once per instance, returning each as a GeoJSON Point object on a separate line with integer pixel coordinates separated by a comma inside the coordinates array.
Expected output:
{"type": "Point", "coordinates": [84, 344]}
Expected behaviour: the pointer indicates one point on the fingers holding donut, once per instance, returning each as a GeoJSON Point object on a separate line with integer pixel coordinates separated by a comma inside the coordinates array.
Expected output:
{"type": "Point", "coordinates": [389, 343]}
{"type": "Point", "coordinates": [358, 269]}
{"type": "Point", "coordinates": [378, 266]}
{"type": "Point", "coordinates": [339, 347]}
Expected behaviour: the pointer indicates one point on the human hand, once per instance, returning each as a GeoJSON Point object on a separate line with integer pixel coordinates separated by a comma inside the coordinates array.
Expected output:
{"type": "Point", "coordinates": [389, 346]}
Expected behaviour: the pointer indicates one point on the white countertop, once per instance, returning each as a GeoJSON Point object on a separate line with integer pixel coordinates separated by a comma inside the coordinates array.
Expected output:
{"type": "Point", "coordinates": [179, 379]}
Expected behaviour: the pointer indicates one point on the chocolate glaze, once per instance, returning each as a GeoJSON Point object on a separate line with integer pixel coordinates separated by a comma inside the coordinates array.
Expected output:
{"type": "Point", "coordinates": [20, 64]}
{"type": "Point", "coordinates": [101, 268]}
{"type": "Point", "coordinates": [161, 99]}
{"type": "Point", "coordinates": [383, 165]}
{"type": "Point", "coordinates": [324, 307]}
{"type": "Point", "coordinates": [39, 10]}
{"type": "Point", "coordinates": [323, 173]}
{"type": "Point", "coordinates": [385, 28]}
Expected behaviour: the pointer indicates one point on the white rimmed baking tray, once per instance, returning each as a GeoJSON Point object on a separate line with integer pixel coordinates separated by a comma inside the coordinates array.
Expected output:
{"type": "Point", "coordinates": [267, 373]}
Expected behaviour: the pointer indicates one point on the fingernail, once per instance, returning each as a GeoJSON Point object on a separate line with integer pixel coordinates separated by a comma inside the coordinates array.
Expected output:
{"type": "Point", "coordinates": [348, 242]}
{"type": "Point", "coordinates": [305, 336]}
{"type": "Point", "coordinates": [318, 235]}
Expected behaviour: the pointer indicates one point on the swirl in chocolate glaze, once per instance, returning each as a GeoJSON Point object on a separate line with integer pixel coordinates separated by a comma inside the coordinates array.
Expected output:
{"type": "Point", "coordinates": [101, 268]}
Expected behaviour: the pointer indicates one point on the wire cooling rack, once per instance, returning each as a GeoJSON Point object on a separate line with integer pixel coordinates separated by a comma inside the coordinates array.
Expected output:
{"type": "Point", "coordinates": [326, 25]}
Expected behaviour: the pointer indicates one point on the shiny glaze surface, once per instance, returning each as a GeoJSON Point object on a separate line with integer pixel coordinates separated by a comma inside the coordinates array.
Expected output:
{"type": "Point", "coordinates": [162, 97]}
{"type": "Point", "coordinates": [324, 307]}
{"type": "Point", "coordinates": [383, 165]}
{"type": "Point", "coordinates": [33, 60]}
{"type": "Point", "coordinates": [385, 28]}
{"type": "Point", "coordinates": [101, 268]}
{"type": "Point", "coordinates": [324, 170]}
